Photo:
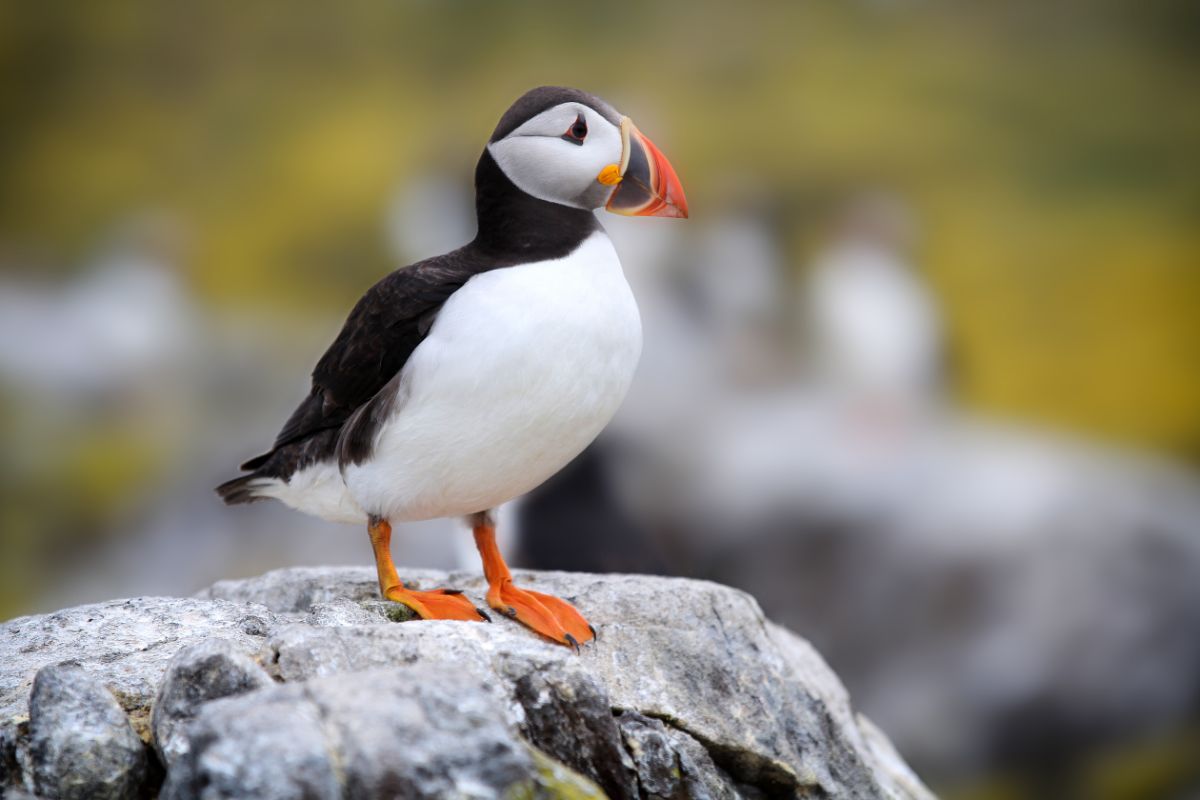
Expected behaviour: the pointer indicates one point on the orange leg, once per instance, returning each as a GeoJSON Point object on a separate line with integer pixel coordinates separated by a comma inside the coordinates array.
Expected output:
{"type": "Point", "coordinates": [546, 614]}
{"type": "Point", "coordinates": [437, 604]}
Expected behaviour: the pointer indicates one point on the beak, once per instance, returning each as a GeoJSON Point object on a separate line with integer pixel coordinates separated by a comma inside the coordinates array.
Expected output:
{"type": "Point", "coordinates": [649, 186]}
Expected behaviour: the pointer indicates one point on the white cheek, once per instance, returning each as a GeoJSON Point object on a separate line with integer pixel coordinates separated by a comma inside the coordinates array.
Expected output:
{"type": "Point", "coordinates": [555, 170]}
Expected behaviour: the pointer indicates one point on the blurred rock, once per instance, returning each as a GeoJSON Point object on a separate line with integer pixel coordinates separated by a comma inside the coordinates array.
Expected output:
{"type": "Point", "coordinates": [688, 692]}
{"type": "Point", "coordinates": [209, 670]}
{"type": "Point", "coordinates": [122, 325]}
{"type": "Point", "coordinates": [581, 498]}
{"type": "Point", "coordinates": [996, 599]}
{"type": "Point", "coordinates": [81, 746]}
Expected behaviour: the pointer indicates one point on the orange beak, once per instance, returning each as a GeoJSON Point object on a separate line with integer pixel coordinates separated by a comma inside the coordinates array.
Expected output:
{"type": "Point", "coordinates": [649, 186]}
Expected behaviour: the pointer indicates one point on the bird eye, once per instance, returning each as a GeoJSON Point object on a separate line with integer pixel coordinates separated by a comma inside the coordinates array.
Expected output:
{"type": "Point", "coordinates": [577, 132]}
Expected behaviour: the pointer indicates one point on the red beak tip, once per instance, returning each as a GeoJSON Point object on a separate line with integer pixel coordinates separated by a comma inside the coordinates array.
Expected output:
{"type": "Point", "coordinates": [657, 185]}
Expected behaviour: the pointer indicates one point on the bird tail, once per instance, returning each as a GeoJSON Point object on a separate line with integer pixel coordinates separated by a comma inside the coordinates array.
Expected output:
{"type": "Point", "coordinates": [247, 488]}
{"type": "Point", "coordinates": [242, 490]}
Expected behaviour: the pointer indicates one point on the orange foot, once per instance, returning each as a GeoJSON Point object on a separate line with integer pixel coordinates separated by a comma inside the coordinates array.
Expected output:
{"type": "Point", "coordinates": [546, 614]}
{"type": "Point", "coordinates": [437, 604]}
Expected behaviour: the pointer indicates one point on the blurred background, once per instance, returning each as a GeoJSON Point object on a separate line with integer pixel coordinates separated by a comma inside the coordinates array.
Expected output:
{"type": "Point", "coordinates": [921, 372]}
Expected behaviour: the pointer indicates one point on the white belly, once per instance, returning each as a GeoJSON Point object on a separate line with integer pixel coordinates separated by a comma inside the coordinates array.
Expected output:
{"type": "Point", "coordinates": [522, 369]}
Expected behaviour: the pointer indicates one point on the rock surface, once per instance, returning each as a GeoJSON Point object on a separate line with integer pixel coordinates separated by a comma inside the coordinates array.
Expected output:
{"type": "Point", "coordinates": [420, 731]}
{"type": "Point", "coordinates": [300, 683]}
{"type": "Point", "coordinates": [208, 670]}
{"type": "Point", "coordinates": [81, 744]}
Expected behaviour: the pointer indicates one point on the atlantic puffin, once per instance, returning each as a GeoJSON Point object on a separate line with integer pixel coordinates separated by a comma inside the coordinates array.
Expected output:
{"type": "Point", "coordinates": [465, 380]}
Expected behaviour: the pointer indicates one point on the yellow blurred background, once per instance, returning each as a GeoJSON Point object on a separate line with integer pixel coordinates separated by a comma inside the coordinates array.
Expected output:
{"type": "Point", "coordinates": [1050, 151]}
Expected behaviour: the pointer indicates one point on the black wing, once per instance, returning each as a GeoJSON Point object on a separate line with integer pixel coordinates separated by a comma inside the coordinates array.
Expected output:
{"type": "Point", "coordinates": [380, 334]}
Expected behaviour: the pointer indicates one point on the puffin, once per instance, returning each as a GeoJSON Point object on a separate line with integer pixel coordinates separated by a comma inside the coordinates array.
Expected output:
{"type": "Point", "coordinates": [466, 380]}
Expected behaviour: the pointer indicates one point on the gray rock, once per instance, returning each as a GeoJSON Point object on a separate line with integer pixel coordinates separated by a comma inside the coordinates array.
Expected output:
{"type": "Point", "coordinates": [300, 589]}
{"type": "Point", "coordinates": [689, 692]}
{"type": "Point", "coordinates": [126, 643]}
{"type": "Point", "coordinates": [339, 613]}
{"type": "Point", "coordinates": [699, 657]}
{"type": "Point", "coordinates": [80, 742]}
{"type": "Point", "coordinates": [568, 714]}
{"type": "Point", "coordinates": [671, 764]}
{"type": "Point", "coordinates": [209, 670]}
{"type": "Point", "coordinates": [20, 794]}
{"type": "Point", "coordinates": [343, 611]}
{"type": "Point", "coordinates": [10, 735]}
{"type": "Point", "coordinates": [422, 731]}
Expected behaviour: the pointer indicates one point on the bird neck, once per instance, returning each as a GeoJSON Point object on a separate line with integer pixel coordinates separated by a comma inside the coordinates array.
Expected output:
{"type": "Point", "coordinates": [520, 226]}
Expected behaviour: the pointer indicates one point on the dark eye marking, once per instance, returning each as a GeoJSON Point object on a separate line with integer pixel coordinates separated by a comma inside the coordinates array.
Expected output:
{"type": "Point", "coordinates": [577, 132]}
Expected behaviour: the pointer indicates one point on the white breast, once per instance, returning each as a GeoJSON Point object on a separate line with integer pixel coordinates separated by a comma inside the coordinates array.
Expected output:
{"type": "Point", "coordinates": [522, 369]}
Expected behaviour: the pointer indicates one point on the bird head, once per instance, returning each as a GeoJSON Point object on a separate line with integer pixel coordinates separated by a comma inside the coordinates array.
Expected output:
{"type": "Point", "coordinates": [569, 147]}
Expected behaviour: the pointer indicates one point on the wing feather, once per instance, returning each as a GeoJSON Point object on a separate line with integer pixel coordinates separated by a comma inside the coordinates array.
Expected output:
{"type": "Point", "coordinates": [381, 332]}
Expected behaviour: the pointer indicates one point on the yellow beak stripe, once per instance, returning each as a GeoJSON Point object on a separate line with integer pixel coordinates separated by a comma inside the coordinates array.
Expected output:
{"type": "Point", "coordinates": [610, 175]}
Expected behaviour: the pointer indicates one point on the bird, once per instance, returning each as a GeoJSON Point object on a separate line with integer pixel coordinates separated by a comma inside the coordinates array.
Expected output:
{"type": "Point", "coordinates": [465, 380]}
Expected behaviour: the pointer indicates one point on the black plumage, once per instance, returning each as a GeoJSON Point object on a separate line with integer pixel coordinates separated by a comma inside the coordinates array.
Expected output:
{"type": "Point", "coordinates": [352, 385]}
{"type": "Point", "coordinates": [535, 101]}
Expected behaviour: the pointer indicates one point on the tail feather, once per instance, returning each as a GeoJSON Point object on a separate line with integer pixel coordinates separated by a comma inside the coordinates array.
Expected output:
{"type": "Point", "coordinates": [257, 461]}
{"type": "Point", "coordinates": [242, 490]}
